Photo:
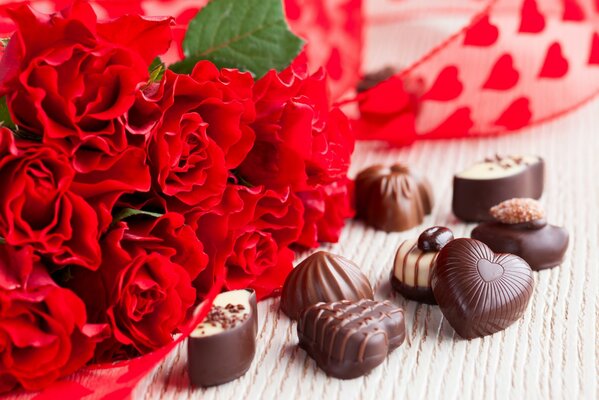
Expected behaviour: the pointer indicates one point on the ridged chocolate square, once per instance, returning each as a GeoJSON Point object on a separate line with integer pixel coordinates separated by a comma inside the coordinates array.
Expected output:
{"type": "Point", "coordinates": [348, 339]}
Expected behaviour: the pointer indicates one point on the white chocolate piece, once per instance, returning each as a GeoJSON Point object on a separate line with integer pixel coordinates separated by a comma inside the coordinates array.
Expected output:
{"type": "Point", "coordinates": [412, 266]}
{"type": "Point", "coordinates": [233, 297]}
{"type": "Point", "coordinates": [501, 168]}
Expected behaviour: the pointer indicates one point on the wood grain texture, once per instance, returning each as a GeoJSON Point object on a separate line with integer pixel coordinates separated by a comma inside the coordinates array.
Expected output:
{"type": "Point", "coordinates": [551, 353]}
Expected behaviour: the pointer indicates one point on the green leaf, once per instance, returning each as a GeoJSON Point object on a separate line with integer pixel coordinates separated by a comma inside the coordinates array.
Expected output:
{"type": "Point", "coordinates": [251, 35]}
{"type": "Point", "coordinates": [2, 240]}
{"type": "Point", "coordinates": [5, 118]}
{"type": "Point", "coordinates": [4, 41]}
{"type": "Point", "coordinates": [156, 70]}
{"type": "Point", "coordinates": [130, 212]}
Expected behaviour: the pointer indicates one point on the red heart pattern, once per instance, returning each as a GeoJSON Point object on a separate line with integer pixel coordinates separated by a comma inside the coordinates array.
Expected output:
{"type": "Point", "coordinates": [594, 53]}
{"type": "Point", "coordinates": [482, 33]}
{"type": "Point", "coordinates": [447, 86]}
{"type": "Point", "coordinates": [555, 64]}
{"type": "Point", "coordinates": [516, 115]}
{"type": "Point", "coordinates": [458, 123]}
{"type": "Point", "coordinates": [496, 77]}
{"type": "Point", "coordinates": [572, 11]}
{"type": "Point", "coordinates": [503, 75]}
{"type": "Point", "coordinates": [532, 21]}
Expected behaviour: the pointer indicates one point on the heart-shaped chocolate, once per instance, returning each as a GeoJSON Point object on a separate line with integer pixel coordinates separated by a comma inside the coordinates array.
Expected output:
{"type": "Point", "coordinates": [478, 291]}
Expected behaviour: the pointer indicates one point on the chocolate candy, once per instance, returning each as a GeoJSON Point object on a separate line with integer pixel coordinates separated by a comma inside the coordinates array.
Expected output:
{"type": "Point", "coordinates": [348, 339]}
{"type": "Point", "coordinates": [433, 239]}
{"type": "Point", "coordinates": [494, 180]}
{"type": "Point", "coordinates": [414, 262]}
{"type": "Point", "coordinates": [480, 292]}
{"type": "Point", "coordinates": [520, 228]}
{"type": "Point", "coordinates": [222, 347]}
{"type": "Point", "coordinates": [323, 277]}
{"type": "Point", "coordinates": [392, 198]}
{"type": "Point", "coordinates": [372, 79]}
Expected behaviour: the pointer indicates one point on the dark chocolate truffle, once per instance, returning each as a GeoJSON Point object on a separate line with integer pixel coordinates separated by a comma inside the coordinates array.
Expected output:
{"type": "Point", "coordinates": [221, 348]}
{"type": "Point", "coordinates": [520, 228]}
{"type": "Point", "coordinates": [480, 292]}
{"type": "Point", "coordinates": [392, 198]}
{"type": "Point", "coordinates": [348, 339]}
{"type": "Point", "coordinates": [433, 239]}
{"type": "Point", "coordinates": [494, 180]}
{"type": "Point", "coordinates": [323, 277]}
{"type": "Point", "coordinates": [374, 78]}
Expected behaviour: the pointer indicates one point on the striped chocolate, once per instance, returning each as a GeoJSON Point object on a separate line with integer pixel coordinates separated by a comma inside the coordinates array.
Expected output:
{"type": "Point", "coordinates": [412, 271]}
{"type": "Point", "coordinates": [348, 339]}
{"type": "Point", "coordinates": [480, 292]}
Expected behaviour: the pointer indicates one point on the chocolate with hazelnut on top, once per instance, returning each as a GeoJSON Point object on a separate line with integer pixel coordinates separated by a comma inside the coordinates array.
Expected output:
{"type": "Point", "coordinates": [520, 228]}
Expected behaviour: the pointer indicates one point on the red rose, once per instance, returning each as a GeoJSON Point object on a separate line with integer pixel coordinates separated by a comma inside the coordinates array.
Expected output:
{"type": "Point", "coordinates": [71, 81]}
{"type": "Point", "coordinates": [248, 234]}
{"type": "Point", "coordinates": [300, 140]}
{"type": "Point", "coordinates": [222, 99]}
{"type": "Point", "coordinates": [304, 143]}
{"type": "Point", "coordinates": [43, 330]}
{"type": "Point", "coordinates": [327, 207]}
{"type": "Point", "coordinates": [38, 208]}
{"type": "Point", "coordinates": [15, 266]}
{"type": "Point", "coordinates": [168, 236]}
{"type": "Point", "coordinates": [188, 164]}
{"type": "Point", "coordinates": [143, 287]}
{"type": "Point", "coordinates": [259, 262]}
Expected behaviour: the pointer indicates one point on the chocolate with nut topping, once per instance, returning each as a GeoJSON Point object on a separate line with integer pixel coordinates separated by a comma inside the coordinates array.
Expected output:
{"type": "Point", "coordinates": [222, 347]}
{"type": "Point", "coordinates": [520, 228]}
{"type": "Point", "coordinates": [494, 180]}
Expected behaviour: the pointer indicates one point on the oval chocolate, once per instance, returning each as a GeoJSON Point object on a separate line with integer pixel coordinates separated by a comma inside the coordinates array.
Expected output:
{"type": "Point", "coordinates": [323, 277]}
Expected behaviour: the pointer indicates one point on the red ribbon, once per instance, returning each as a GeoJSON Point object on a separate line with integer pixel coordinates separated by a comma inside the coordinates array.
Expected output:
{"type": "Point", "coordinates": [517, 63]}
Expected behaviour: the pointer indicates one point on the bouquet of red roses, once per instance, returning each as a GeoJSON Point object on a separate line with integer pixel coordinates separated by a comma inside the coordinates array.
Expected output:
{"type": "Point", "coordinates": [126, 186]}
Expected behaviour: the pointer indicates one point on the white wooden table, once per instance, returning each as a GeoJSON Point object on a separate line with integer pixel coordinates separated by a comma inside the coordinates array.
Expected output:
{"type": "Point", "coordinates": [551, 353]}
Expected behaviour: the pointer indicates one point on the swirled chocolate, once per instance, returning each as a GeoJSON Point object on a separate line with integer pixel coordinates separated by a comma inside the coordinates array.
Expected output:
{"type": "Point", "coordinates": [520, 228]}
{"type": "Point", "coordinates": [480, 292]}
{"type": "Point", "coordinates": [221, 348]}
{"type": "Point", "coordinates": [494, 180]}
{"type": "Point", "coordinates": [392, 198]}
{"type": "Point", "coordinates": [323, 277]}
{"type": "Point", "coordinates": [348, 339]}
